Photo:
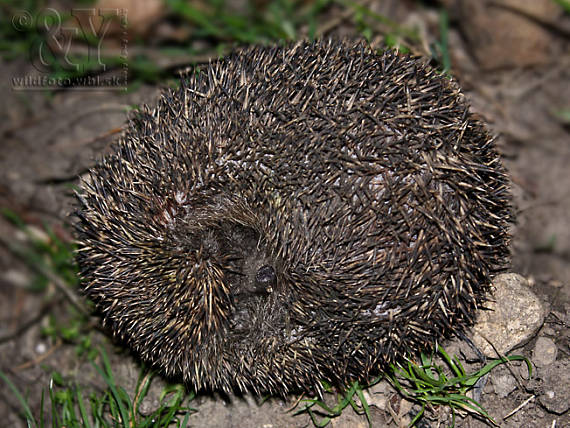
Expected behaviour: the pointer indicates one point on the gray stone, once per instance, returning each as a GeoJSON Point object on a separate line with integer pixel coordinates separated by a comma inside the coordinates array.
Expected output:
{"type": "Point", "coordinates": [544, 352]}
{"type": "Point", "coordinates": [556, 387]}
{"type": "Point", "coordinates": [504, 384]}
{"type": "Point", "coordinates": [515, 315]}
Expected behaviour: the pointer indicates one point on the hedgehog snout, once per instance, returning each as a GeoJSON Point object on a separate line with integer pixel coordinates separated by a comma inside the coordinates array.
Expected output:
{"type": "Point", "coordinates": [259, 276]}
{"type": "Point", "coordinates": [265, 279]}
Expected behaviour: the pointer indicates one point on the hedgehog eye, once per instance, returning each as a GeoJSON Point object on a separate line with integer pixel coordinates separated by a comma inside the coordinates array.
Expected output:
{"type": "Point", "coordinates": [265, 279]}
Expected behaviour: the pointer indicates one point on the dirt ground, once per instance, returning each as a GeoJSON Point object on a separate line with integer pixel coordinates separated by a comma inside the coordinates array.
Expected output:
{"type": "Point", "coordinates": [514, 67]}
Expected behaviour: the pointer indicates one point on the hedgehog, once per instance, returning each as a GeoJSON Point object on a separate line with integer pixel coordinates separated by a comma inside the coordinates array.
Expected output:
{"type": "Point", "coordinates": [294, 214]}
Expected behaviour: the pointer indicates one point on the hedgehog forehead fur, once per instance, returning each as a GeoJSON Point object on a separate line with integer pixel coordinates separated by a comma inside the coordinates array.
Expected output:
{"type": "Point", "coordinates": [294, 214]}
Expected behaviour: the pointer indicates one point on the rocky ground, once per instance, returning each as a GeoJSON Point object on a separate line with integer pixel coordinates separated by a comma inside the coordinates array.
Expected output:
{"type": "Point", "coordinates": [513, 61]}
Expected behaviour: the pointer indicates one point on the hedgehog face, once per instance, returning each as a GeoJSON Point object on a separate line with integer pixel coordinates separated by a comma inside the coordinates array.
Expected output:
{"type": "Point", "coordinates": [248, 274]}
{"type": "Point", "coordinates": [228, 271]}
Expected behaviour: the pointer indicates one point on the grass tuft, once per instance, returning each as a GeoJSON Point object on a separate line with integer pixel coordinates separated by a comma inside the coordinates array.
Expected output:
{"type": "Point", "coordinates": [428, 384]}
{"type": "Point", "coordinates": [316, 407]}
{"type": "Point", "coordinates": [112, 407]}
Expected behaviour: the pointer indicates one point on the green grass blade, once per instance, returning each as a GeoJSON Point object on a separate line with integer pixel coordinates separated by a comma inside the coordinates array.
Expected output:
{"type": "Point", "coordinates": [82, 410]}
{"type": "Point", "coordinates": [143, 384]}
{"type": "Point", "coordinates": [322, 405]}
{"type": "Point", "coordinates": [184, 9]}
{"type": "Point", "coordinates": [365, 405]}
{"type": "Point", "coordinates": [419, 415]}
{"type": "Point", "coordinates": [42, 419]}
{"type": "Point", "coordinates": [55, 422]}
{"type": "Point", "coordinates": [322, 423]}
{"type": "Point", "coordinates": [490, 366]}
{"type": "Point", "coordinates": [184, 423]}
{"type": "Point", "coordinates": [173, 406]}
{"type": "Point", "coordinates": [117, 399]}
{"type": "Point", "coordinates": [25, 407]}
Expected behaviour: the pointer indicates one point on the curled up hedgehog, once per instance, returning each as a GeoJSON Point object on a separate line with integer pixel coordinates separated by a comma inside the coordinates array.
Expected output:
{"type": "Point", "coordinates": [295, 214]}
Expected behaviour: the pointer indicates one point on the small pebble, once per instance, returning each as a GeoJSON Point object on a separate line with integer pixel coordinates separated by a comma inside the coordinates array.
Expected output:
{"type": "Point", "coordinates": [545, 352]}
{"type": "Point", "coordinates": [504, 385]}
{"type": "Point", "coordinates": [41, 348]}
